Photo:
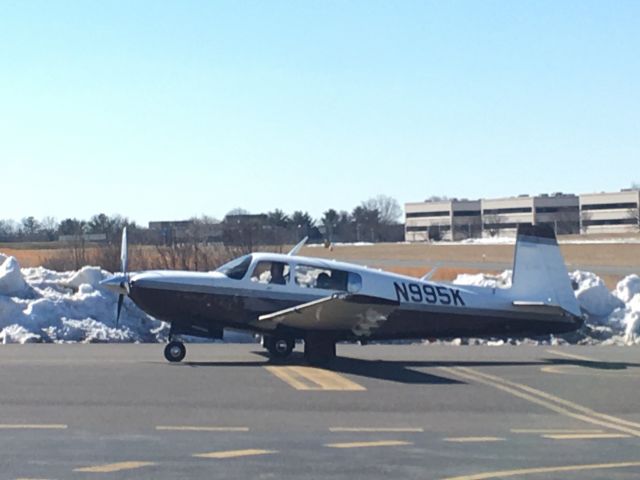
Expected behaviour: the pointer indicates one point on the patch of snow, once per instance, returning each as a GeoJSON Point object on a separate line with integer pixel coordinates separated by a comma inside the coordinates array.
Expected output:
{"type": "Point", "coordinates": [18, 334]}
{"type": "Point", "coordinates": [341, 244]}
{"type": "Point", "coordinates": [502, 280]}
{"type": "Point", "coordinates": [593, 295]}
{"type": "Point", "coordinates": [11, 280]}
{"type": "Point", "coordinates": [40, 305]}
{"type": "Point", "coordinates": [511, 240]}
{"type": "Point", "coordinates": [611, 318]}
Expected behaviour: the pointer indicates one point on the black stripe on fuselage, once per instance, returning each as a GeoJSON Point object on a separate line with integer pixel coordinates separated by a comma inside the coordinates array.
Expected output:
{"type": "Point", "coordinates": [240, 310]}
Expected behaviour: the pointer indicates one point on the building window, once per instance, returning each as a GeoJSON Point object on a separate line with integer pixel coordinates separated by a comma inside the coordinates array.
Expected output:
{"type": "Point", "coordinates": [427, 214]}
{"type": "Point", "coordinates": [618, 221]}
{"type": "Point", "coordinates": [557, 209]}
{"type": "Point", "coordinates": [609, 206]}
{"type": "Point", "coordinates": [466, 213]}
{"type": "Point", "coordinates": [496, 211]}
{"type": "Point", "coordinates": [498, 226]}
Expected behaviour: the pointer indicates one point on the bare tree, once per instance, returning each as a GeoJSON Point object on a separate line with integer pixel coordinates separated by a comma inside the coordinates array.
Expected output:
{"type": "Point", "coordinates": [585, 217]}
{"type": "Point", "coordinates": [492, 224]}
{"type": "Point", "coordinates": [49, 227]}
{"type": "Point", "coordinates": [634, 215]}
{"type": "Point", "coordinates": [389, 211]}
{"type": "Point", "coordinates": [437, 198]}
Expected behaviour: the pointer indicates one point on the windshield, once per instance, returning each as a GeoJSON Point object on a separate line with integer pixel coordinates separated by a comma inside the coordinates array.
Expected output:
{"type": "Point", "coordinates": [237, 268]}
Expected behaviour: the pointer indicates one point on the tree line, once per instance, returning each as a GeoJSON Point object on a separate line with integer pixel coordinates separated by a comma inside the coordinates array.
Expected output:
{"type": "Point", "coordinates": [376, 219]}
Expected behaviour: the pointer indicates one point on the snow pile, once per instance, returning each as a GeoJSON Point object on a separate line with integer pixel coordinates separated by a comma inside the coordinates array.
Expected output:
{"type": "Point", "coordinates": [40, 305]}
{"type": "Point", "coordinates": [485, 280]}
{"type": "Point", "coordinates": [11, 281]}
{"type": "Point", "coordinates": [611, 317]}
{"type": "Point", "coordinates": [593, 295]}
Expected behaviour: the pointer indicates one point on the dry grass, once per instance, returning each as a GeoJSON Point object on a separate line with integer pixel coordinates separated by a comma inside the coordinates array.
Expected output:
{"type": "Point", "coordinates": [617, 254]}
{"type": "Point", "coordinates": [425, 257]}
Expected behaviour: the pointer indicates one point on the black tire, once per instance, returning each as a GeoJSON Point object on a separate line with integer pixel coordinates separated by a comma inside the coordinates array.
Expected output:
{"type": "Point", "coordinates": [175, 351]}
{"type": "Point", "coordinates": [279, 347]}
{"type": "Point", "coordinates": [319, 350]}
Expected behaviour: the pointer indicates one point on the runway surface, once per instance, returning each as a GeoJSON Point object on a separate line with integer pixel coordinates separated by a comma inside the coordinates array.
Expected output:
{"type": "Point", "coordinates": [394, 411]}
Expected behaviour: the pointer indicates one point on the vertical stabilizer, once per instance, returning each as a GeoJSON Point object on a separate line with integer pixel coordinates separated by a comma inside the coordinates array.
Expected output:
{"type": "Point", "coordinates": [539, 272]}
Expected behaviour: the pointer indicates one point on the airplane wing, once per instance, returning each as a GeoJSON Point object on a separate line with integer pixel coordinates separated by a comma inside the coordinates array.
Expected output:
{"type": "Point", "coordinates": [359, 313]}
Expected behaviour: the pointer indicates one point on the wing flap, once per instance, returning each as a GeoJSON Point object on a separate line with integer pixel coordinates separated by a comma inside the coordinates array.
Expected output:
{"type": "Point", "coordinates": [359, 313]}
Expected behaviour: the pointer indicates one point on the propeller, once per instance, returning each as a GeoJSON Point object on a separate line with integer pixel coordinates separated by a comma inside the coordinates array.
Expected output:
{"type": "Point", "coordinates": [120, 283]}
{"type": "Point", "coordinates": [124, 283]}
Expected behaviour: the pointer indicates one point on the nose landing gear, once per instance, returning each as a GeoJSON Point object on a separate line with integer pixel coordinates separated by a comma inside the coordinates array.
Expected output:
{"type": "Point", "coordinates": [175, 351]}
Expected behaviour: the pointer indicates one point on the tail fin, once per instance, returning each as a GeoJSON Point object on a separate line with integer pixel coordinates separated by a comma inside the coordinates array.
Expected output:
{"type": "Point", "coordinates": [539, 272]}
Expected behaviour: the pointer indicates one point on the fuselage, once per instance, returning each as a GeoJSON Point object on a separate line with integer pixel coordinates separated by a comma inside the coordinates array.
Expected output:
{"type": "Point", "coordinates": [236, 295]}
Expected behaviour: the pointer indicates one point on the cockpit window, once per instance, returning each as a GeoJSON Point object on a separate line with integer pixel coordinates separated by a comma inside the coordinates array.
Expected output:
{"type": "Point", "coordinates": [236, 269]}
{"type": "Point", "coordinates": [308, 276]}
{"type": "Point", "coordinates": [271, 272]}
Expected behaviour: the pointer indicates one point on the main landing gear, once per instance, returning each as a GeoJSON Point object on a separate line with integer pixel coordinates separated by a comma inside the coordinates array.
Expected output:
{"type": "Point", "coordinates": [319, 348]}
{"type": "Point", "coordinates": [277, 346]}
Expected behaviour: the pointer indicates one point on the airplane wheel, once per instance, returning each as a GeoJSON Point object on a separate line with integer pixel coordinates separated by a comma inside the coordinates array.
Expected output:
{"type": "Point", "coordinates": [175, 351]}
{"type": "Point", "coordinates": [279, 347]}
{"type": "Point", "coordinates": [319, 350]}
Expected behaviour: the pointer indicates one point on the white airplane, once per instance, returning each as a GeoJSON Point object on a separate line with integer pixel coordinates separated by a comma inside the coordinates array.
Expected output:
{"type": "Point", "coordinates": [289, 297]}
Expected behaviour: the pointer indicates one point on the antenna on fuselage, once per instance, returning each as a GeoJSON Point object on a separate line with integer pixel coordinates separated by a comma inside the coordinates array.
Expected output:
{"type": "Point", "coordinates": [430, 273]}
{"type": "Point", "coordinates": [296, 249]}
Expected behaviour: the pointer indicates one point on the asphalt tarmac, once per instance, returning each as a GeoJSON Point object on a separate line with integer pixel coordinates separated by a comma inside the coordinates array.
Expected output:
{"type": "Point", "coordinates": [393, 411]}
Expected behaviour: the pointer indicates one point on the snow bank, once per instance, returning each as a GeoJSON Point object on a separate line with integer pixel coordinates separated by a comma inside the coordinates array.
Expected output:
{"type": "Point", "coordinates": [11, 281]}
{"type": "Point", "coordinates": [611, 317]}
{"type": "Point", "coordinates": [40, 305]}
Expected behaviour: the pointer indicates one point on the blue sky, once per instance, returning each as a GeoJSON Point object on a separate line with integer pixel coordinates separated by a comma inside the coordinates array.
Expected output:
{"type": "Point", "coordinates": [165, 110]}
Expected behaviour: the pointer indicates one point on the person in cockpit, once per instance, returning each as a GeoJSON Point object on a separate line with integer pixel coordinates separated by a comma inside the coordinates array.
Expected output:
{"type": "Point", "coordinates": [277, 273]}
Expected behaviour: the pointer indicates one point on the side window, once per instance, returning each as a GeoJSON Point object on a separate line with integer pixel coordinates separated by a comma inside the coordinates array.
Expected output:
{"type": "Point", "coordinates": [308, 276]}
{"type": "Point", "coordinates": [354, 284]}
{"type": "Point", "coordinates": [271, 272]}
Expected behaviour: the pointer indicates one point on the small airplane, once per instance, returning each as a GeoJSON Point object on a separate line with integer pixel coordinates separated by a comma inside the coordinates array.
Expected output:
{"type": "Point", "coordinates": [286, 297]}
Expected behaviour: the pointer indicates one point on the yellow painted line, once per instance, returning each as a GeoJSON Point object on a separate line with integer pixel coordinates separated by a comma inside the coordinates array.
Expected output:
{"type": "Point", "coordinates": [585, 436]}
{"type": "Point", "coordinates": [534, 396]}
{"type": "Point", "coordinates": [553, 430]}
{"type": "Point", "coordinates": [288, 376]}
{"type": "Point", "coordinates": [580, 370]}
{"type": "Point", "coordinates": [573, 356]}
{"type": "Point", "coordinates": [557, 368]}
{"type": "Point", "coordinates": [533, 471]}
{"type": "Point", "coordinates": [376, 429]}
{"type": "Point", "coordinates": [113, 467]}
{"type": "Point", "coordinates": [380, 443]}
{"type": "Point", "coordinates": [193, 428]}
{"type": "Point", "coordinates": [474, 439]}
{"type": "Point", "coordinates": [33, 426]}
{"type": "Point", "coordinates": [328, 380]}
{"type": "Point", "coordinates": [553, 398]}
{"type": "Point", "coordinates": [311, 378]}
{"type": "Point", "coordinates": [234, 453]}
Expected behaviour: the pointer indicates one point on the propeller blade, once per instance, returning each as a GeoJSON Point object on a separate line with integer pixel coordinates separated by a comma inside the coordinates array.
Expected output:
{"type": "Point", "coordinates": [124, 254]}
{"type": "Point", "coordinates": [120, 301]}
